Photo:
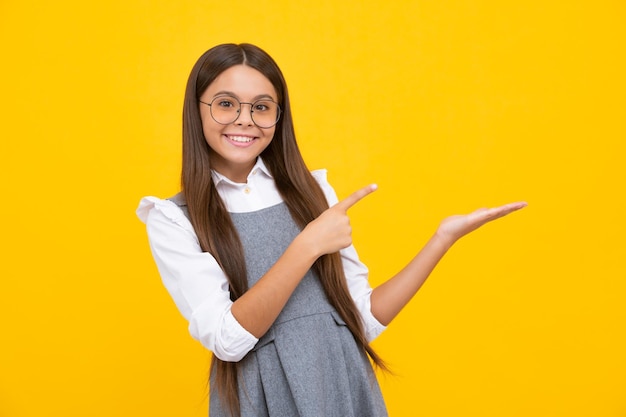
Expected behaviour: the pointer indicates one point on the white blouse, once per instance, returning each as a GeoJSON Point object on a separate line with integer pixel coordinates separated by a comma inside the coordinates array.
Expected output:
{"type": "Point", "coordinates": [197, 284]}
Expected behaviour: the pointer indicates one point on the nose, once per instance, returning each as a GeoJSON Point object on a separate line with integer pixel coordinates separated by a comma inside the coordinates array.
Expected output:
{"type": "Point", "coordinates": [245, 115]}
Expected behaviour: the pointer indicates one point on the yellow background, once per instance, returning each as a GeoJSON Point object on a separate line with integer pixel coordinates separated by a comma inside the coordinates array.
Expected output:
{"type": "Point", "coordinates": [447, 105]}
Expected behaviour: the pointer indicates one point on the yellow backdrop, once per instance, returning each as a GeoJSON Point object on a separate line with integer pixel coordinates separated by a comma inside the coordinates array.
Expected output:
{"type": "Point", "coordinates": [447, 105]}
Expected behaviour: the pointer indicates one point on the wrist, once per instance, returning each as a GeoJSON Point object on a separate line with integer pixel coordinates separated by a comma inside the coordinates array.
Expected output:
{"type": "Point", "coordinates": [443, 239]}
{"type": "Point", "coordinates": [305, 247]}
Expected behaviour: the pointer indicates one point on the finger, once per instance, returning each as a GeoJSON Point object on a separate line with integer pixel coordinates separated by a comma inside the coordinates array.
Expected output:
{"type": "Point", "coordinates": [497, 212]}
{"type": "Point", "coordinates": [511, 207]}
{"type": "Point", "coordinates": [355, 197]}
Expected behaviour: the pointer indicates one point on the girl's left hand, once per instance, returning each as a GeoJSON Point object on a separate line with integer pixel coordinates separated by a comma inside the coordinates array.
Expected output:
{"type": "Point", "coordinates": [455, 227]}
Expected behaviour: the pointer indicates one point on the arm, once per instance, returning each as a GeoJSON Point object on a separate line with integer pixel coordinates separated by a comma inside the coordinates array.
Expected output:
{"type": "Point", "coordinates": [194, 280]}
{"type": "Point", "coordinates": [390, 297]}
{"type": "Point", "coordinates": [257, 309]}
{"type": "Point", "coordinates": [200, 288]}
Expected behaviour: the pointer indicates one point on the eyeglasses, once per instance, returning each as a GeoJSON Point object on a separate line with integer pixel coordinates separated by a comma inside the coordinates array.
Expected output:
{"type": "Point", "coordinates": [265, 113]}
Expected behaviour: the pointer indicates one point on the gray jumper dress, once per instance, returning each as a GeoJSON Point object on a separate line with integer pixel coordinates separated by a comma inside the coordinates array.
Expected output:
{"type": "Point", "coordinates": [308, 363]}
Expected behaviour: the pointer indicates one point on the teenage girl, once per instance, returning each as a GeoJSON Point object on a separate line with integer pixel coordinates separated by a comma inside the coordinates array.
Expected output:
{"type": "Point", "coordinates": [256, 252]}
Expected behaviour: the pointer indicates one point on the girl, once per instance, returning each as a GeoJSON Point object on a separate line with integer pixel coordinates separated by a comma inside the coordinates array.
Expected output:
{"type": "Point", "coordinates": [260, 266]}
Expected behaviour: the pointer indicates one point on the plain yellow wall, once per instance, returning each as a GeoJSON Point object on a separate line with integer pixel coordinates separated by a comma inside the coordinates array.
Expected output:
{"type": "Point", "coordinates": [447, 105]}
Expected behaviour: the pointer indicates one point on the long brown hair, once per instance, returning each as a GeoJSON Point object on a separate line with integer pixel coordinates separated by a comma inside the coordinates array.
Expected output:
{"type": "Point", "coordinates": [300, 191]}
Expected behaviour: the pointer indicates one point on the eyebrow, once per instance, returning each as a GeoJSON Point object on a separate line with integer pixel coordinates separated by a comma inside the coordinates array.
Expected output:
{"type": "Point", "coordinates": [255, 98]}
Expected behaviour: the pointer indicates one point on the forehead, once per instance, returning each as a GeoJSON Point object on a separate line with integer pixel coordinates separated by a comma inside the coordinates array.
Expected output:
{"type": "Point", "coordinates": [242, 81]}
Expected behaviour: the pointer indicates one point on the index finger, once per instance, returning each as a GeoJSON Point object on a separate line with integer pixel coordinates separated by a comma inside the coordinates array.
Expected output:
{"type": "Point", "coordinates": [355, 197]}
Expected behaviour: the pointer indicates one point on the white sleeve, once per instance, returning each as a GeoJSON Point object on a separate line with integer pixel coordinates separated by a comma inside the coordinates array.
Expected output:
{"type": "Point", "coordinates": [356, 272]}
{"type": "Point", "coordinates": [194, 280]}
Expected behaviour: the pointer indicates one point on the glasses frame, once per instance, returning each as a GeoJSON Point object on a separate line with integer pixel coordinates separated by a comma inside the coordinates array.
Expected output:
{"type": "Point", "coordinates": [278, 113]}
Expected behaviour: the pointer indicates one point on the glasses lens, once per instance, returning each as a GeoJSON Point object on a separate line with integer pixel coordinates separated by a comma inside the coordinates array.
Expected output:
{"type": "Point", "coordinates": [225, 109]}
{"type": "Point", "coordinates": [265, 113]}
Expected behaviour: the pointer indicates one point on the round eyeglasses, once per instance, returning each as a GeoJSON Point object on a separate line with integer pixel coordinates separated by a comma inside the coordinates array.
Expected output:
{"type": "Point", "coordinates": [265, 112]}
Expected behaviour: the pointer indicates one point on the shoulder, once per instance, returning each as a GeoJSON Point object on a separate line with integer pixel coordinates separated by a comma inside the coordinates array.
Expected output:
{"type": "Point", "coordinates": [172, 209]}
{"type": "Point", "coordinates": [321, 176]}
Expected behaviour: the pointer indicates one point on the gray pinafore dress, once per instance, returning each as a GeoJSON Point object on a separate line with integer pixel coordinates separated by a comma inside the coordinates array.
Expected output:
{"type": "Point", "coordinates": [308, 363]}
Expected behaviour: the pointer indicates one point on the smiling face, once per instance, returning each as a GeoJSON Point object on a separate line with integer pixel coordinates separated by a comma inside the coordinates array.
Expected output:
{"type": "Point", "coordinates": [236, 146]}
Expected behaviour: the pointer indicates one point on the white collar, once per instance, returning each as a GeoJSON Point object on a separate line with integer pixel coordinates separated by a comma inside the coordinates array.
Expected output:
{"type": "Point", "coordinates": [259, 165]}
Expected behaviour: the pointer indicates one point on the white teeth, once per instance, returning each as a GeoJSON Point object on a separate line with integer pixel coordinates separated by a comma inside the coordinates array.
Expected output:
{"type": "Point", "coordinates": [241, 139]}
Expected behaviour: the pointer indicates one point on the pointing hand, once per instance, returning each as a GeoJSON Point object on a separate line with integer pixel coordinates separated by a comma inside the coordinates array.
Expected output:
{"type": "Point", "coordinates": [331, 231]}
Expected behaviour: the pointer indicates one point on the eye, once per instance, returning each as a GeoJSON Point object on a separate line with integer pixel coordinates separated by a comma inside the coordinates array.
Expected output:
{"type": "Point", "coordinates": [225, 102]}
{"type": "Point", "coordinates": [263, 106]}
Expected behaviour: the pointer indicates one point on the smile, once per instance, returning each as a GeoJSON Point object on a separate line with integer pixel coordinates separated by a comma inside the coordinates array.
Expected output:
{"type": "Point", "coordinates": [241, 139]}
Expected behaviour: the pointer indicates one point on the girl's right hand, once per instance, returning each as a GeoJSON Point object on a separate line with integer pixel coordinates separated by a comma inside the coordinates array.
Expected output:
{"type": "Point", "coordinates": [331, 231]}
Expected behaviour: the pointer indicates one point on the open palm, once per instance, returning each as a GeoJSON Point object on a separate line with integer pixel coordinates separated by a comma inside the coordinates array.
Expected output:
{"type": "Point", "coordinates": [455, 227]}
